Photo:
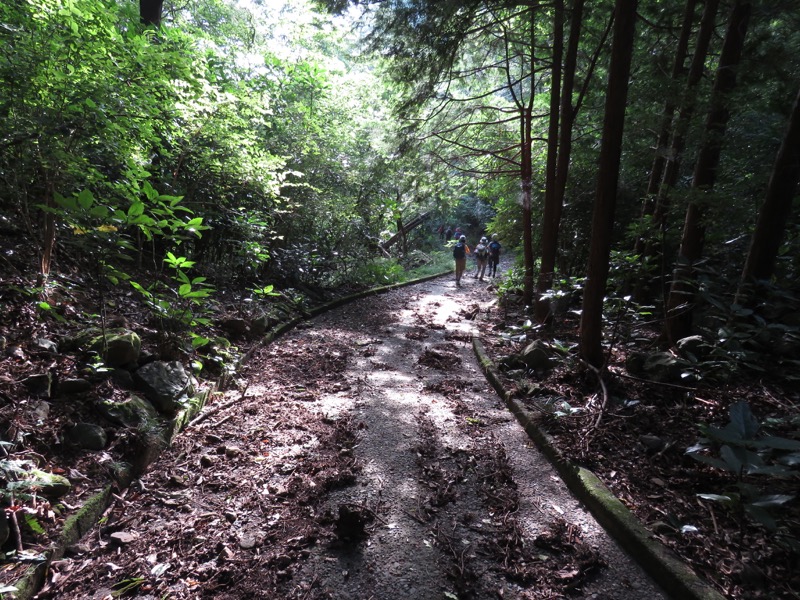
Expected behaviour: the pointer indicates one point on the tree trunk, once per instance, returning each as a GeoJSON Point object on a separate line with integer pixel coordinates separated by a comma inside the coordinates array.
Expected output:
{"type": "Point", "coordinates": [591, 332]}
{"type": "Point", "coordinates": [526, 174]}
{"type": "Point", "coordinates": [150, 12]}
{"type": "Point", "coordinates": [680, 306]}
{"type": "Point", "coordinates": [668, 115]}
{"type": "Point", "coordinates": [49, 236]}
{"type": "Point", "coordinates": [551, 211]}
{"type": "Point", "coordinates": [674, 154]}
{"type": "Point", "coordinates": [774, 213]}
{"type": "Point", "coordinates": [554, 194]}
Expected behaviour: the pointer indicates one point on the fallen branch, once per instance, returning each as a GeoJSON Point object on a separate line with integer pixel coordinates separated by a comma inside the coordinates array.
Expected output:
{"type": "Point", "coordinates": [215, 409]}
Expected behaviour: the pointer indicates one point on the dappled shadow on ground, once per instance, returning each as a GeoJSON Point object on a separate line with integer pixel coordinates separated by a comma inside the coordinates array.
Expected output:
{"type": "Point", "coordinates": [635, 437]}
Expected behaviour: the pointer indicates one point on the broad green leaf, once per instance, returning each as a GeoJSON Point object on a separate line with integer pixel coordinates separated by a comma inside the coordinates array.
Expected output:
{"type": "Point", "coordinates": [99, 211]}
{"type": "Point", "coordinates": [149, 191]}
{"type": "Point", "coordinates": [136, 209]}
{"type": "Point", "coordinates": [716, 498]}
{"type": "Point", "coordinates": [85, 199]}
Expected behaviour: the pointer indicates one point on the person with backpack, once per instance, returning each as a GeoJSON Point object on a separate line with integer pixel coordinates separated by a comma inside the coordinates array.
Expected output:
{"type": "Point", "coordinates": [481, 257]}
{"type": "Point", "coordinates": [460, 251]}
{"type": "Point", "coordinates": [494, 255]}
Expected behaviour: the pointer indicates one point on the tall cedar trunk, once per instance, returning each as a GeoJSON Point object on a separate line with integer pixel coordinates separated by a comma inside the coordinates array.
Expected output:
{"type": "Point", "coordinates": [767, 237]}
{"type": "Point", "coordinates": [669, 169]}
{"type": "Point", "coordinates": [685, 114]}
{"type": "Point", "coordinates": [549, 231]}
{"type": "Point", "coordinates": [668, 115]}
{"type": "Point", "coordinates": [591, 333]}
{"type": "Point", "coordinates": [551, 220]}
{"type": "Point", "coordinates": [150, 12]}
{"type": "Point", "coordinates": [526, 177]}
{"type": "Point", "coordinates": [680, 306]}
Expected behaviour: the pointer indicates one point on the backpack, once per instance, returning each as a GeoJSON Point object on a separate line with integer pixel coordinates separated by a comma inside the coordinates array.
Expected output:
{"type": "Point", "coordinates": [459, 250]}
{"type": "Point", "coordinates": [481, 251]}
{"type": "Point", "coordinates": [494, 248]}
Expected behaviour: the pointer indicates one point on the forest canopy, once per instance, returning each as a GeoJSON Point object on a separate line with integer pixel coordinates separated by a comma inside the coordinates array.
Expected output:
{"type": "Point", "coordinates": [644, 151]}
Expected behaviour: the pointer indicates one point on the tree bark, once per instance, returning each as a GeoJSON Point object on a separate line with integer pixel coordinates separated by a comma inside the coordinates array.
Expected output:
{"type": "Point", "coordinates": [591, 332]}
{"type": "Point", "coordinates": [551, 219]}
{"type": "Point", "coordinates": [526, 174]}
{"type": "Point", "coordinates": [150, 12]}
{"type": "Point", "coordinates": [49, 234]}
{"type": "Point", "coordinates": [774, 213]}
{"type": "Point", "coordinates": [526, 177]}
{"type": "Point", "coordinates": [668, 115]}
{"type": "Point", "coordinates": [680, 304]}
{"type": "Point", "coordinates": [672, 165]}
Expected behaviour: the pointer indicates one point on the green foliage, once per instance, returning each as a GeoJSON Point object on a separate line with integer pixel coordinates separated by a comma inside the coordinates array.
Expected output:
{"type": "Point", "coordinates": [754, 333]}
{"type": "Point", "coordinates": [380, 271]}
{"type": "Point", "coordinates": [742, 450]}
{"type": "Point", "coordinates": [182, 305]}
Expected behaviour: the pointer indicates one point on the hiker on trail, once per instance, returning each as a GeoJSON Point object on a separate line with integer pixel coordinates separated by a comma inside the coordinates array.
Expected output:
{"type": "Point", "coordinates": [457, 234]}
{"type": "Point", "coordinates": [481, 256]}
{"type": "Point", "coordinates": [448, 234]}
{"type": "Point", "coordinates": [494, 255]}
{"type": "Point", "coordinates": [460, 251]}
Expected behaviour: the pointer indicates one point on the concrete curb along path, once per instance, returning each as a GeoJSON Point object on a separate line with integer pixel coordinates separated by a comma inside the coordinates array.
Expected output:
{"type": "Point", "coordinates": [674, 576]}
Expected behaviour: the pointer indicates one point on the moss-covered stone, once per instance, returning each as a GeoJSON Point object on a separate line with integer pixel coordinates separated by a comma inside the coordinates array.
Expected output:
{"type": "Point", "coordinates": [133, 411]}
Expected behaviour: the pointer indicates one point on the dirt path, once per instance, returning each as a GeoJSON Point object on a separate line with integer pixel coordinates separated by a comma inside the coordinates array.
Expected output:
{"type": "Point", "coordinates": [367, 458]}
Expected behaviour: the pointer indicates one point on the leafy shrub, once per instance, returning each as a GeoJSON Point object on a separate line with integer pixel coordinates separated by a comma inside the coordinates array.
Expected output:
{"type": "Point", "coordinates": [742, 450]}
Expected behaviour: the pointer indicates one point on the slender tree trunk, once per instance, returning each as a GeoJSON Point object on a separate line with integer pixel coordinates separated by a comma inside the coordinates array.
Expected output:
{"type": "Point", "coordinates": [551, 219]}
{"type": "Point", "coordinates": [774, 213]}
{"type": "Point", "coordinates": [150, 12]}
{"type": "Point", "coordinates": [526, 175]}
{"type": "Point", "coordinates": [667, 117]}
{"type": "Point", "coordinates": [49, 237]}
{"type": "Point", "coordinates": [591, 332]}
{"type": "Point", "coordinates": [679, 306]}
{"type": "Point", "coordinates": [674, 154]}
{"type": "Point", "coordinates": [651, 247]}
{"type": "Point", "coordinates": [549, 233]}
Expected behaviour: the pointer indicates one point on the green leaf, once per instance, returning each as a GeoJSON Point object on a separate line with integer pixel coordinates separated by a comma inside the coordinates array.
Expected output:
{"type": "Point", "coordinates": [99, 211]}
{"type": "Point", "coordinates": [743, 420]}
{"type": "Point", "coordinates": [34, 525]}
{"type": "Point", "coordinates": [731, 459]}
{"type": "Point", "coordinates": [199, 341]}
{"type": "Point", "coordinates": [778, 443]}
{"type": "Point", "coordinates": [185, 290]}
{"type": "Point", "coordinates": [85, 199]}
{"type": "Point", "coordinates": [149, 191]}
{"type": "Point", "coordinates": [761, 515]}
{"type": "Point", "coordinates": [716, 498]}
{"type": "Point", "coordinates": [136, 209]}
{"type": "Point", "coordinates": [773, 500]}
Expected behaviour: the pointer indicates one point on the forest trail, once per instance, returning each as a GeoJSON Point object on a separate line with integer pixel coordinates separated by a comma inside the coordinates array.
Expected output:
{"type": "Point", "coordinates": [366, 458]}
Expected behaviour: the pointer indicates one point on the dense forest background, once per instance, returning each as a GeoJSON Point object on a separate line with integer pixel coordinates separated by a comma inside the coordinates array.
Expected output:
{"type": "Point", "coordinates": [265, 146]}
